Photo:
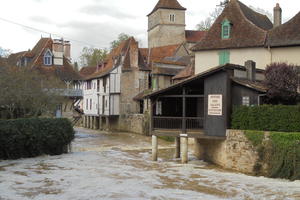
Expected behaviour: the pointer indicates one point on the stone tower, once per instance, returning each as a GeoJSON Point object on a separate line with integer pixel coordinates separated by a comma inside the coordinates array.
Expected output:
{"type": "Point", "coordinates": [166, 24]}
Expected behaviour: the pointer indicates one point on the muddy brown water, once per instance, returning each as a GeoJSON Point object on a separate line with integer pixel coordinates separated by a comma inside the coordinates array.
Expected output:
{"type": "Point", "coordinates": [118, 166]}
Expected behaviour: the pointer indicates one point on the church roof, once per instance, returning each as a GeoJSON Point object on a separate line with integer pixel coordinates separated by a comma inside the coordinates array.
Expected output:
{"type": "Point", "coordinates": [248, 29]}
{"type": "Point", "coordinates": [167, 4]}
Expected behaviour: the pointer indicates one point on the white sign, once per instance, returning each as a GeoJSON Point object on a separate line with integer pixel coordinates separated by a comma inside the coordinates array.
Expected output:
{"type": "Point", "coordinates": [215, 104]}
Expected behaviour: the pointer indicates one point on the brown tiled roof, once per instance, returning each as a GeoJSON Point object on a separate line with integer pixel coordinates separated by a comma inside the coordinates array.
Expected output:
{"type": "Point", "coordinates": [39, 50]}
{"type": "Point", "coordinates": [287, 34]}
{"type": "Point", "coordinates": [260, 20]}
{"type": "Point", "coordinates": [3, 62]}
{"type": "Point", "coordinates": [194, 36]}
{"type": "Point", "coordinates": [65, 72]}
{"type": "Point", "coordinates": [198, 76]}
{"type": "Point", "coordinates": [126, 49]}
{"type": "Point", "coordinates": [185, 73]}
{"type": "Point", "coordinates": [165, 70]}
{"type": "Point", "coordinates": [87, 71]}
{"type": "Point", "coordinates": [15, 57]}
{"type": "Point", "coordinates": [167, 4]}
{"type": "Point", "coordinates": [159, 53]}
{"type": "Point", "coordinates": [255, 85]}
{"type": "Point", "coordinates": [108, 64]}
{"type": "Point", "coordinates": [249, 29]}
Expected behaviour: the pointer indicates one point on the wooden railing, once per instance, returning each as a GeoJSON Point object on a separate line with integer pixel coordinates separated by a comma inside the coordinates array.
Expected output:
{"type": "Point", "coordinates": [176, 122]}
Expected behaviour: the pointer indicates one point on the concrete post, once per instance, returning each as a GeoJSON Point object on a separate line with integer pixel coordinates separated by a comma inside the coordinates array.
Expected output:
{"type": "Point", "coordinates": [198, 149]}
{"type": "Point", "coordinates": [154, 147]}
{"type": "Point", "coordinates": [184, 148]}
{"type": "Point", "coordinates": [100, 123]}
{"type": "Point", "coordinates": [177, 147]}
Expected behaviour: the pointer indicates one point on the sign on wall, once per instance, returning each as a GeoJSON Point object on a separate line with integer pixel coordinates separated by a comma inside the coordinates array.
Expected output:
{"type": "Point", "coordinates": [215, 104]}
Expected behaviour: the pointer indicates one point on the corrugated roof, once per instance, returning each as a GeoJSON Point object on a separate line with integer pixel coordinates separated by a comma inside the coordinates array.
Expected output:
{"type": "Point", "coordinates": [167, 4]}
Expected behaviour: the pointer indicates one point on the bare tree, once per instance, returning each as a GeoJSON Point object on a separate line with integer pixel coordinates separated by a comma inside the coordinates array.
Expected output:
{"type": "Point", "coordinates": [27, 93]}
{"type": "Point", "coordinates": [204, 25]}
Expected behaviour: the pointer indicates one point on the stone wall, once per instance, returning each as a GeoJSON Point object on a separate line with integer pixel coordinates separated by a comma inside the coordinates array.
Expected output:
{"type": "Point", "coordinates": [136, 123]}
{"type": "Point", "coordinates": [235, 153]}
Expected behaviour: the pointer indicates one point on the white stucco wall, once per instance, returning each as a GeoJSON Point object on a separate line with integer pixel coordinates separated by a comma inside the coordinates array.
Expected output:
{"type": "Point", "coordinates": [205, 60]}
{"type": "Point", "coordinates": [262, 56]}
{"type": "Point", "coordinates": [289, 55]}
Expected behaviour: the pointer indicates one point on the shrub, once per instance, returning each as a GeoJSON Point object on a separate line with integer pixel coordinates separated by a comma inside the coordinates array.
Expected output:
{"type": "Point", "coordinates": [281, 153]}
{"type": "Point", "coordinates": [23, 138]}
{"type": "Point", "coordinates": [280, 118]}
{"type": "Point", "coordinates": [282, 81]}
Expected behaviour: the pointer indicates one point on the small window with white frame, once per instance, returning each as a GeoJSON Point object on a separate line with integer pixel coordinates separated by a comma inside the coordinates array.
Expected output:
{"type": "Point", "coordinates": [246, 101]}
{"type": "Point", "coordinates": [48, 58]}
{"type": "Point", "coordinates": [172, 17]}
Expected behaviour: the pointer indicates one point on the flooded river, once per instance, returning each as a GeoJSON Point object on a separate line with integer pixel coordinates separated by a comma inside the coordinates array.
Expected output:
{"type": "Point", "coordinates": [119, 166]}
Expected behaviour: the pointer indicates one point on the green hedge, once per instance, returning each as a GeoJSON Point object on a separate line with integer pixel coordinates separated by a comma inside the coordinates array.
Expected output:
{"type": "Point", "coordinates": [267, 118]}
{"type": "Point", "coordinates": [22, 138]}
{"type": "Point", "coordinates": [281, 153]}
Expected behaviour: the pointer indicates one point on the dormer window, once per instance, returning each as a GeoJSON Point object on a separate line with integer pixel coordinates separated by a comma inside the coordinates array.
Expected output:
{"type": "Point", "coordinates": [172, 17]}
{"type": "Point", "coordinates": [48, 58]}
{"type": "Point", "coordinates": [226, 29]}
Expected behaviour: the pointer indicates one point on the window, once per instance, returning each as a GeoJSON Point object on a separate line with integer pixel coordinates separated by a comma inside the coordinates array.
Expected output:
{"type": "Point", "coordinates": [224, 57]}
{"type": "Point", "coordinates": [246, 101]}
{"type": "Point", "coordinates": [104, 84]}
{"type": "Point", "coordinates": [226, 29]}
{"type": "Point", "coordinates": [48, 58]}
{"type": "Point", "coordinates": [172, 17]}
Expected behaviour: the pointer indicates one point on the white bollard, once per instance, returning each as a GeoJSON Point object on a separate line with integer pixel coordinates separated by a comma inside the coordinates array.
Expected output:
{"type": "Point", "coordinates": [184, 148]}
{"type": "Point", "coordinates": [154, 147]}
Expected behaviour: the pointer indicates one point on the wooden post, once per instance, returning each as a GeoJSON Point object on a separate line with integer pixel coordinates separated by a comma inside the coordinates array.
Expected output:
{"type": "Point", "coordinates": [177, 147]}
{"type": "Point", "coordinates": [184, 148]}
{"type": "Point", "coordinates": [183, 110]}
{"type": "Point", "coordinates": [154, 147]}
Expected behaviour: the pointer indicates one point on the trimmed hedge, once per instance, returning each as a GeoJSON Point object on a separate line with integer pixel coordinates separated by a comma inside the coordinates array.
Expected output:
{"type": "Point", "coordinates": [280, 118]}
{"type": "Point", "coordinates": [22, 138]}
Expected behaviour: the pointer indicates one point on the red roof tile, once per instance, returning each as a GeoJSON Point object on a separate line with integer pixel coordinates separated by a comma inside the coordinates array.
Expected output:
{"type": "Point", "coordinates": [194, 36]}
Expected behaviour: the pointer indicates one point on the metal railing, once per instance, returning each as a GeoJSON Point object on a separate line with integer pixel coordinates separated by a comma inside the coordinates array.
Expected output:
{"type": "Point", "coordinates": [176, 122]}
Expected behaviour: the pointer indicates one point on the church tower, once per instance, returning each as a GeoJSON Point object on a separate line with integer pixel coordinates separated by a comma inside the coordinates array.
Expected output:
{"type": "Point", "coordinates": [166, 24]}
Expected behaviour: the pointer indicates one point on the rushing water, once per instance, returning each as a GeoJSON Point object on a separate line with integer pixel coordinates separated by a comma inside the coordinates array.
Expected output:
{"type": "Point", "coordinates": [119, 166]}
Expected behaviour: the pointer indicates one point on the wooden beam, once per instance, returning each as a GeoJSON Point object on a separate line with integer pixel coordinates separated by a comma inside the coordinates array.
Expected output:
{"type": "Point", "coordinates": [180, 96]}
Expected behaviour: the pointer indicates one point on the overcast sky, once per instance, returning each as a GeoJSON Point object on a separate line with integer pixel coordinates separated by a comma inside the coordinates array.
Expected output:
{"type": "Point", "coordinates": [98, 22]}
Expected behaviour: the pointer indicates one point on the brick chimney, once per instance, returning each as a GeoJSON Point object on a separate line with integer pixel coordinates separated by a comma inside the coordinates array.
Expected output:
{"type": "Point", "coordinates": [250, 70]}
{"type": "Point", "coordinates": [277, 15]}
{"type": "Point", "coordinates": [58, 51]}
{"type": "Point", "coordinates": [67, 50]}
